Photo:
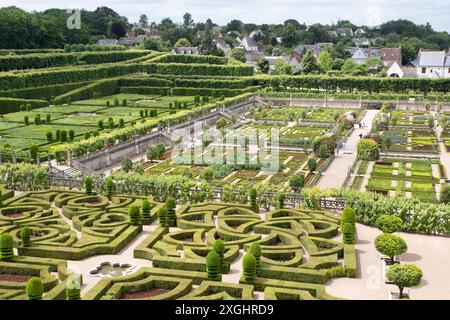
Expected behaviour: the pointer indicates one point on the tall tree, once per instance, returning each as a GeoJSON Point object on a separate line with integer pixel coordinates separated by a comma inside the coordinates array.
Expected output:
{"type": "Point", "coordinates": [309, 63]}
{"type": "Point", "coordinates": [144, 20]}
{"type": "Point", "coordinates": [187, 20]}
{"type": "Point", "coordinates": [118, 28]}
{"type": "Point", "coordinates": [289, 36]}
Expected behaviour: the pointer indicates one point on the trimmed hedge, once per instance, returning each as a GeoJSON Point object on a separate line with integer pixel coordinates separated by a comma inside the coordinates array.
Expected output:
{"type": "Point", "coordinates": [8, 105]}
{"type": "Point", "coordinates": [200, 69]}
{"type": "Point", "coordinates": [105, 87]}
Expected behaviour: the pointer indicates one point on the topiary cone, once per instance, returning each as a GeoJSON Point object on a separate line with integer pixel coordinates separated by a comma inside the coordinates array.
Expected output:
{"type": "Point", "coordinates": [146, 210]}
{"type": "Point", "coordinates": [135, 215]}
{"type": "Point", "coordinates": [348, 236]}
{"type": "Point", "coordinates": [162, 216]}
{"type": "Point", "coordinates": [249, 267]}
{"type": "Point", "coordinates": [213, 266]}
{"type": "Point", "coordinates": [6, 247]}
{"type": "Point", "coordinates": [73, 293]}
{"type": "Point", "coordinates": [348, 216]}
{"type": "Point", "coordinates": [219, 248]}
{"type": "Point", "coordinates": [171, 214]}
{"type": "Point", "coordinates": [25, 234]}
{"type": "Point", "coordinates": [255, 250]}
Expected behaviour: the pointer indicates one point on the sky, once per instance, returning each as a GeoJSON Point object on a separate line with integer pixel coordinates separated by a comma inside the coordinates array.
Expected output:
{"type": "Point", "coordinates": [369, 12]}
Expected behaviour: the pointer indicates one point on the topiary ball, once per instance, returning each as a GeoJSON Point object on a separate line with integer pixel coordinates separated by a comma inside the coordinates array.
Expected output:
{"type": "Point", "coordinates": [6, 247]}
{"type": "Point", "coordinates": [249, 267]}
{"type": "Point", "coordinates": [25, 234]}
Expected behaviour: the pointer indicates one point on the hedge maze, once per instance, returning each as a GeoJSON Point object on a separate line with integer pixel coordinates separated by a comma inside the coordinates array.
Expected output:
{"type": "Point", "coordinates": [200, 257]}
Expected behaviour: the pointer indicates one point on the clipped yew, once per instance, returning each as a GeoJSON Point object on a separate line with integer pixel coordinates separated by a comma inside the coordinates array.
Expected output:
{"type": "Point", "coordinates": [348, 216]}
{"type": "Point", "coordinates": [25, 234]}
{"type": "Point", "coordinates": [171, 214]}
{"type": "Point", "coordinates": [135, 215]}
{"type": "Point", "coordinates": [6, 247]}
{"type": "Point", "coordinates": [255, 250]}
{"type": "Point", "coordinates": [89, 185]}
{"type": "Point", "coordinates": [146, 210]}
{"type": "Point", "coordinates": [213, 266]}
{"type": "Point", "coordinates": [73, 293]}
{"type": "Point", "coordinates": [389, 223]}
{"type": "Point", "coordinates": [348, 235]}
{"type": "Point", "coordinates": [162, 216]}
{"type": "Point", "coordinates": [219, 248]}
{"type": "Point", "coordinates": [249, 267]}
{"type": "Point", "coordinates": [253, 204]}
{"type": "Point", "coordinates": [34, 289]}
{"type": "Point", "coordinates": [280, 200]}
{"type": "Point", "coordinates": [109, 188]}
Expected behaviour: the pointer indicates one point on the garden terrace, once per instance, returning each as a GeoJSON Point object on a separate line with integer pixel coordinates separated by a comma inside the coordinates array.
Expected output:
{"type": "Point", "coordinates": [415, 141]}
{"type": "Point", "coordinates": [239, 176]}
{"type": "Point", "coordinates": [417, 179]}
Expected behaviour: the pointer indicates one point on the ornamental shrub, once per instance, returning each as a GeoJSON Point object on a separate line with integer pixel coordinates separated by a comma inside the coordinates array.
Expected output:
{"type": "Point", "coordinates": [253, 204]}
{"type": "Point", "coordinates": [348, 236]}
{"type": "Point", "coordinates": [162, 216]}
{"type": "Point", "coordinates": [213, 266]}
{"type": "Point", "coordinates": [26, 121]}
{"type": "Point", "coordinates": [101, 124]}
{"type": "Point", "coordinates": [404, 276]}
{"type": "Point", "coordinates": [445, 193]}
{"type": "Point", "coordinates": [25, 234]}
{"type": "Point", "coordinates": [297, 181]}
{"type": "Point", "coordinates": [34, 289]}
{"type": "Point", "coordinates": [49, 135]}
{"type": "Point", "coordinates": [71, 134]}
{"type": "Point", "coordinates": [73, 293]}
{"type": "Point", "coordinates": [109, 188]}
{"type": "Point", "coordinates": [390, 245]}
{"type": "Point", "coordinates": [34, 150]}
{"type": "Point", "coordinates": [171, 214]}
{"type": "Point", "coordinates": [348, 216]}
{"type": "Point", "coordinates": [249, 267]}
{"type": "Point", "coordinates": [63, 136]}
{"type": "Point", "coordinates": [368, 150]}
{"type": "Point", "coordinates": [6, 247]}
{"type": "Point", "coordinates": [37, 119]}
{"type": "Point", "coordinates": [389, 223]}
{"type": "Point", "coordinates": [135, 215]}
{"type": "Point", "coordinates": [121, 123]}
{"type": "Point", "coordinates": [219, 248]}
{"type": "Point", "coordinates": [146, 210]}
{"type": "Point", "coordinates": [336, 272]}
{"type": "Point", "coordinates": [280, 200]}
{"type": "Point", "coordinates": [255, 250]}
{"type": "Point", "coordinates": [312, 164]}
{"type": "Point", "coordinates": [48, 117]}
{"type": "Point", "coordinates": [89, 185]}
{"type": "Point", "coordinates": [58, 134]}
{"type": "Point", "coordinates": [87, 135]}
{"type": "Point", "coordinates": [127, 164]}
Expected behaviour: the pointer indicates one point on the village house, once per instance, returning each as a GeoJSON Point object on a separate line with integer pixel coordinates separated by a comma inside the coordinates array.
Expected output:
{"type": "Point", "coordinates": [107, 42]}
{"type": "Point", "coordinates": [316, 49]}
{"type": "Point", "coordinates": [432, 64]}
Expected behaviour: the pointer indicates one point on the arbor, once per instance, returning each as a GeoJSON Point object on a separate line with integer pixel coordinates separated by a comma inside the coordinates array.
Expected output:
{"type": "Point", "coordinates": [213, 266]}
{"type": "Point", "coordinates": [6, 247]}
{"type": "Point", "coordinates": [135, 215]}
{"type": "Point", "coordinates": [249, 267]}
{"type": "Point", "coordinates": [34, 289]}
{"type": "Point", "coordinates": [238, 54]}
{"type": "Point", "coordinates": [390, 245]}
{"type": "Point", "coordinates": [389, 223]}
{"type": "Point", "coordinates": [127, 164]}
{"type": "Point", "coordinates": [89, 185]}
{"type": "Point", "coordinates": [404, 276]}
{"type": "Point", "coordinates": [309, 63]}
{"type": "Point", "coordinates": [297, 181]}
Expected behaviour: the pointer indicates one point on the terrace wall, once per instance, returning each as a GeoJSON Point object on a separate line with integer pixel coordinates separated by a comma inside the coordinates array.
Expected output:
{"type": "Point", "coordinates": [104, 158]}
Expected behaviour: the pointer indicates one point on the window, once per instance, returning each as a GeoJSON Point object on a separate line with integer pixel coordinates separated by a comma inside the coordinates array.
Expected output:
{"type": "Point", "coordinates": [424, 70]}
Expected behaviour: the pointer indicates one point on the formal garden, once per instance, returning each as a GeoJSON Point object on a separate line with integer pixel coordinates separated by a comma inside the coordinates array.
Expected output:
{"type": "Point", "coordinates": [199, 230]}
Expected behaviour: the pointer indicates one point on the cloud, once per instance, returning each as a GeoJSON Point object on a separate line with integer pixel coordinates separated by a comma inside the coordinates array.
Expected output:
{"type": "Point", "coordinates": [263, 11]}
